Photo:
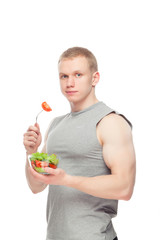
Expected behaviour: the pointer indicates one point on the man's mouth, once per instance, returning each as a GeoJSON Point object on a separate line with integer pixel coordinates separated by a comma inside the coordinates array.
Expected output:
{"type": "Point", "coordinates": [71, 92]}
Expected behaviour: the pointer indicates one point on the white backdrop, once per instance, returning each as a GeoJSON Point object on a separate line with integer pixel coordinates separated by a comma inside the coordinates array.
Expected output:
{"type": "Point", "coordinates": [125, 37]}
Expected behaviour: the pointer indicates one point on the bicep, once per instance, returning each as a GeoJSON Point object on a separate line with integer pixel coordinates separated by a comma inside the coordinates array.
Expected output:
{"type": "Point", "coordinates": [120, 157]}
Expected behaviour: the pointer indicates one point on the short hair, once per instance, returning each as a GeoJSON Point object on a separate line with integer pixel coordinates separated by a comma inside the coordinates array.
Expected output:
{"type": "Point", "coordinates": [80, 51]}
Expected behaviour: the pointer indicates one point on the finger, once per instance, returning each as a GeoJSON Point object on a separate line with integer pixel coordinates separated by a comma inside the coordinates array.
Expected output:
{"type": "Point", "coordinates": [52, 171]}
{"type": "Point", "coordinates": [30, 139]}
{"type": "Point", "coordinates": [33, 128]}
{"type": "Point", "coordinates": [37, 125]}
{"type": "Point", "coordinates": [31, 133]}
{"type": "Point", "coordinates": [29, 143]}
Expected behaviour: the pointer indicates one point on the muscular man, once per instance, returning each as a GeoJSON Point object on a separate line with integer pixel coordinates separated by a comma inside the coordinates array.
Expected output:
{"type": "Point", "coordinates": [96, 152]}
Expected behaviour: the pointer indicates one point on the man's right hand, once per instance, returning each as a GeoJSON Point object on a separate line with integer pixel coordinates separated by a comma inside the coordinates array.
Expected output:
{"type": "Point", "coordinates": [32, 139]}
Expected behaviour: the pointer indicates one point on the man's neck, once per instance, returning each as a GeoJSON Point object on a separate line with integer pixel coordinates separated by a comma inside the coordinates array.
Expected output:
{"type": "Point", "coordinates": [79, 106]}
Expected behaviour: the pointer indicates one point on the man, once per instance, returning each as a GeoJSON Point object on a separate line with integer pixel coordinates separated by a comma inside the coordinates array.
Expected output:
{"type": "Point", "coordinates": [97, 158]}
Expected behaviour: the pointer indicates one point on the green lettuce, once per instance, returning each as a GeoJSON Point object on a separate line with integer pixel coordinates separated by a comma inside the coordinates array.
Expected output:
{"type": "Point", "coordinates": [40, 170]}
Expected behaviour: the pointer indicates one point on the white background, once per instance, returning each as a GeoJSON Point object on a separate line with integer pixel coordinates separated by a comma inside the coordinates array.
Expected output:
{"type": "Point", "coordinates": [125, 38]}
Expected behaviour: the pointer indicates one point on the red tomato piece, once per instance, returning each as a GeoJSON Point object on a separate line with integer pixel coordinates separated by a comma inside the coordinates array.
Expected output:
{"type": "Point", "coordinates": [33, 164]}
{"type": "Point", "coordinates": [46, 107]}
{"type": "Point", "coordinates": [38, 163]}
{"type": "Point", "coordinates": [41, 164]}
{"type": "Point", "coordinates": [52, 166]}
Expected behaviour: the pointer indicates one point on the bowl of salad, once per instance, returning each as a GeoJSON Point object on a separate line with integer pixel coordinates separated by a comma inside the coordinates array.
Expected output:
{"type": "Point", "coordinates": [41, 160]}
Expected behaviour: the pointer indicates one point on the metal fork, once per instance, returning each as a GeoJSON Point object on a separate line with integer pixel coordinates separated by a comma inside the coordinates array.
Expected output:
{"type": "Point", "coordinates": [38, 114]}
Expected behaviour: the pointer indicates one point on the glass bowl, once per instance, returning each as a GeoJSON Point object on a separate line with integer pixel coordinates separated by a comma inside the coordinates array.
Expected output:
{"type": "Point", "coordinates": [38, 161]}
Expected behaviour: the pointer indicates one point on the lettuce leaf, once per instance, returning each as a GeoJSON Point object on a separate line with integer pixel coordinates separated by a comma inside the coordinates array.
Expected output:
{"type": "Point", "coordinates": [40, 170]}
{"type": "Point", "coordinates": [53, 159]}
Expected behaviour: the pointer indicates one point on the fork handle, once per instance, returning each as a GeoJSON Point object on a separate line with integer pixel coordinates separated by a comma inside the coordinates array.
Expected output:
{"type": "Point", "coordinates": [38, 115]}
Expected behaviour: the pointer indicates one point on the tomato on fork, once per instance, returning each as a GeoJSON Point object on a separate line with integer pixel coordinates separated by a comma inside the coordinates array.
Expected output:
{"type": "Point", "coordinates": [46, 107]}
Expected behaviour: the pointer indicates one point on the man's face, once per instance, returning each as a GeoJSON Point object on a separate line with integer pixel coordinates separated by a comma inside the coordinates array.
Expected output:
{"type": "Point", "coordinates": [76, 80]}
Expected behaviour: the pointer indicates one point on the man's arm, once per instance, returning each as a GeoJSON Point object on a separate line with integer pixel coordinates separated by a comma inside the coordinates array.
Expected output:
{"type": "Point", "coordinates": [32, 140]}
{"type": "Point", "coordinates": [114, 134]}
{"type": "Point", "coordinates": [34, 185]}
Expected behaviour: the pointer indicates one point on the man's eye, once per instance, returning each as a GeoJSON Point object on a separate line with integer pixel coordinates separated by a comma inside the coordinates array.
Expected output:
{"type": "Point", "coordinates": [78, 74]}
{"type": "Point", "coordinates": [63, 76]}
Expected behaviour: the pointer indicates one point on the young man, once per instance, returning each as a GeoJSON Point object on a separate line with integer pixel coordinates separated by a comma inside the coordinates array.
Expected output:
{"type": "Point", "coordinates": [97, 158]}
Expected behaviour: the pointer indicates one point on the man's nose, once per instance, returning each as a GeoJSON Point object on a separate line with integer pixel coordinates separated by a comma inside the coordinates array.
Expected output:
{"type": "Point", "coordinates": [70, 81]}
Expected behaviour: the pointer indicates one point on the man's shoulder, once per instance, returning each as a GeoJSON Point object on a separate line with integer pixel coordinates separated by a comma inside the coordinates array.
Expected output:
{"type": "Point", "coordinates": [114, 127]}
{"type": "Point", "coordinates": [114, 116]}
{"type": "Point", "coordinates": [115, 119]}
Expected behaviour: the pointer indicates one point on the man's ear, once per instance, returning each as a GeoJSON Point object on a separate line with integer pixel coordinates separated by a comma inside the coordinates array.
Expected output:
{"type": "Point", "coordinates": [95, 78]}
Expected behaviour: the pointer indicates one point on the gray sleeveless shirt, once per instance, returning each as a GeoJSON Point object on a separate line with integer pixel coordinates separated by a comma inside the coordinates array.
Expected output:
{"type": "Point", "coordinates": [72, 214]}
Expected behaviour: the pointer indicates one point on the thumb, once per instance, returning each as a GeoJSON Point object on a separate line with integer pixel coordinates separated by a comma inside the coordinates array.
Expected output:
{"type": "Point", "coordinates": [37, 125]}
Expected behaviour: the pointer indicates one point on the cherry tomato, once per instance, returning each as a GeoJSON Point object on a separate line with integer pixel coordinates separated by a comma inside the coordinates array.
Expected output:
{"type": "Point", "coordinates": [41, 164]}
{"type": "Point", "coordinates": [46, 107]}
{"type": "Point", "coordinates": [33, 164]}
{"type": "Point", "coordinates": [37, 162]}
{"type": "Point", "coordinates": [52, 166]}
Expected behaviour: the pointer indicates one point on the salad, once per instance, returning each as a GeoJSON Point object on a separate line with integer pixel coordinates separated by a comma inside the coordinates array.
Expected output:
{"type": "Point", "coordinates": [40, 160]}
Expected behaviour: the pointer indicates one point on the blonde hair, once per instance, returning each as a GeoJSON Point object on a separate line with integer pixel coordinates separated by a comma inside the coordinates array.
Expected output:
{"type": "Point", "coordinates": [80, 51]}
